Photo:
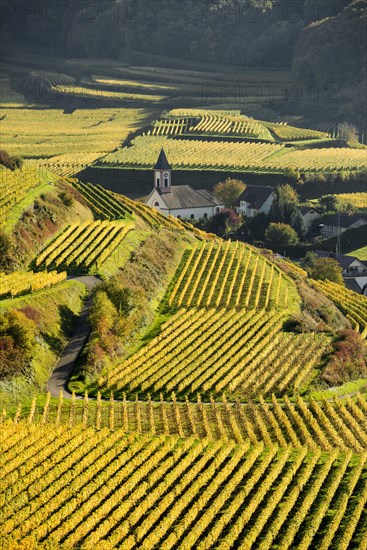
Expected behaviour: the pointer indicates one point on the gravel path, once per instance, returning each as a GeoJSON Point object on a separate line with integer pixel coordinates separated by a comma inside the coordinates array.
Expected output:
{"type": "Point", "coordinates": [65, 365]}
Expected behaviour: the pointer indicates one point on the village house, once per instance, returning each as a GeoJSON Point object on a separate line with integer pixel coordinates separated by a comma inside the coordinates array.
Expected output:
{"type": "Point", "coordinates": [335, 224]}
{"type": "Point", "coordinates": [354, 270]}
{"type": "Point", "coordinates": [181, 201]}
{"type": "Point", "coordinates": [255, 199]}
{"type": "Point", "coordinates": [308, 216]}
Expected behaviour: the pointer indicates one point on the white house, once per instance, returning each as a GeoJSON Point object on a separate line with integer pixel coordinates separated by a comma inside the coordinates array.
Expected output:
{"type": "Point", "coordinates": [181, 201]}
{"type": "Point", "coordinates": [354, 270]}
{"type": "Point", "coordinates": [338, 223]}
{"type": "Point", "coordinates": [256, 199]}
{"type": "Point", "coordinates": [308, 216]}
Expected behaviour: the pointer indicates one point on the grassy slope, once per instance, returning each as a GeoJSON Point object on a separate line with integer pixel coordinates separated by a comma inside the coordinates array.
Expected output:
{"type": "Point", "coordinates": [55, 309]}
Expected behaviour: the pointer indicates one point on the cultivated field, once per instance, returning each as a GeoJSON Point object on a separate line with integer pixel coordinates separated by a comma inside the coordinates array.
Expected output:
{"type": "Point", "coordinates": [100, 487]}
{"type": "Point", "coordinates": [39, 133]}
{"type": "Point", "coordinates": [221, 155]}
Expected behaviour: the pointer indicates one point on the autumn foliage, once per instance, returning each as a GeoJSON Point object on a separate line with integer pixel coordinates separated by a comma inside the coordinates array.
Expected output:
{"type": "Point", "coordinates": [349, 360]}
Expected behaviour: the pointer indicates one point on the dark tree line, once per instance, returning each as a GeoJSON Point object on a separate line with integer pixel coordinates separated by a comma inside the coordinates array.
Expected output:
{"type": "Point", "coordinates": [323, 40]}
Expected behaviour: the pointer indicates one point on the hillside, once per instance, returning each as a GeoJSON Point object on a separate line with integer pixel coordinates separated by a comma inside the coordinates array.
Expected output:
{"type": "Point", "coordinates": [162, 387]}
{"type": "Point", "coordinates": [209, 422]}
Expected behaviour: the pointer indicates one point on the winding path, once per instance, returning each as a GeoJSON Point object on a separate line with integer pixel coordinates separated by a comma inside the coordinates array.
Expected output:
{"type": "Point", "coordinates": [65, 365]}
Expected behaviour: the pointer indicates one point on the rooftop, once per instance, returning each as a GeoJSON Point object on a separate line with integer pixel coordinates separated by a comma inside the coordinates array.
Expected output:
{"type": "Point", "coordinates": [184, 196]}
{"type": "Point", "coordinates": [162, 162]}
{"type": "Point", "coordinates": [256, 195]}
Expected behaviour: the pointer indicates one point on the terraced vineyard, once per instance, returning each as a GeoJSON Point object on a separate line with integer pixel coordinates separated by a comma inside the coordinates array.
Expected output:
{"type": "Point", "coordinates": [27, 281]}
{"type": "Point", "coordinates": [221, 155]}
{"type": "Point", "coordinates": [69, 164]}
{"type": "Point", "coordinates": [216, 351]}
{"type": "Point", "coordinates": [44, 133]}
{"type": "Point", "coordinates": [357, 200]}
{"type": "Point", "coordinates": [235, 344]}
{"type": "Point", "coordinates": [283, 132]}
{"type": "Point", "coordinates": [326, 424]}
{"type": "Point", "coordinates": [84, 245]}
{"type": "Point", "coordinates": [77, 486]}
{"type": "Point", "coordinates": [210, 123]}
{"type": "Point", "coordinates": [230, 275]}
{"type": "Point", "coordinates": [193, 154]}
{"type": "Point", "coordinates": [14, 186]}
{"type": "Point", "coordinates": [353, 305]}
{"type": "Point", "coordinates": [80, 92]}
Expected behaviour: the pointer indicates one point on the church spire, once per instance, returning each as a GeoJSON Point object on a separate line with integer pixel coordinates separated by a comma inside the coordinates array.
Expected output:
{"type": "Point", "coordinates": [162, 173]}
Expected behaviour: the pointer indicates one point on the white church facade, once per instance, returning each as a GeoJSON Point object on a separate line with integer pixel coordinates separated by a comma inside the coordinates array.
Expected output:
{"type": "Point", "coordinates": [181, 201]}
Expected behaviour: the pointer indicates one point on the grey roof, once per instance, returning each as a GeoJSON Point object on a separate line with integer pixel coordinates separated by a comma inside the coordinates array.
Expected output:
{"type": "Point", "coordinates": [162, 162]}
{"type": "Point", "coordinates": [352, 284]}
{"type": "Point", "coordinates": [305, 209]}
{"type": "Point", "coordinates": [344, 261]}
{"type": "Point", "coordinates": [256, 195]}
{"type": "Point", "coordinates": [345, 220]}
{"type": "Point", "coordinates": [184, 196]}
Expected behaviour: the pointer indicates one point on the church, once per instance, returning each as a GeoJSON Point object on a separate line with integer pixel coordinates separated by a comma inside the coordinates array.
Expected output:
{"type": "Point", "coordinates": [181, 201]}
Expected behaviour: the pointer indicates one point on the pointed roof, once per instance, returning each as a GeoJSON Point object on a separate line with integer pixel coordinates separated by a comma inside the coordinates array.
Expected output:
{"type": "Point", "coordinates": [162, 162]}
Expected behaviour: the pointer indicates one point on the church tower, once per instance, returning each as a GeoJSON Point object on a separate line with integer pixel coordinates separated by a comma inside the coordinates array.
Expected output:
{"type": "Point", "coordinates": [162, 173]}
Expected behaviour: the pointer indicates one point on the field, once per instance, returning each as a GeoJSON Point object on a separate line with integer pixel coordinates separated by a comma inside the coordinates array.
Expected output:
{"type": "Point", "coordinates": [227, 156]}
{"type": "Point", "coordinates": [100, 487]}
{"type": "Point", "coordinates": [228, 124]}
{"type": "Point", "coordinates": [40, 133]}
{"type": "Point", "coordinates": [84, 246]}
{"type": "Point", "coordinates": [208, 423]}
{"type": "Point", "coordinates": [14, 186]}
{"type": "Point", "coordinates": [353, 305]}
{"type": "Point", "coordinates": [360, 253]}
{"type": "Point", "coordinates": [27, 281]}
{"type": "Point", "coordinates": [357, 200]}
{"type": "Point", "coordinates": [218, 351]}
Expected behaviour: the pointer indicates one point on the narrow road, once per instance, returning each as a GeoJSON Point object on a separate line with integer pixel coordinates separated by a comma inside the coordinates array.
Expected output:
{"type": "Point", "coordinates": [65, 365]}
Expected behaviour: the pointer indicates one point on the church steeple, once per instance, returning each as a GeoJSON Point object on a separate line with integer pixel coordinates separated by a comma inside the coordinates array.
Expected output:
{"type": "Point", "coordinates": [162, 173]}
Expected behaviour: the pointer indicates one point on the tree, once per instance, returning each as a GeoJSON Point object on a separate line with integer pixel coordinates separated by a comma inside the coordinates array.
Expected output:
{"type": "Point", "coordinates": [229, 191]}
{"type": "Point", "coordinates": [327, 269]}
{"type": "Point", "coordinates": [285, 207]}
{"type": "Point", "coordinates": [328, 203]}
{"type": "Point", "coordinates": [280, 235]}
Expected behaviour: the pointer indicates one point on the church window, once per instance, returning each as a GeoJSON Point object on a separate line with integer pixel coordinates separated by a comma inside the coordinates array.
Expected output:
{"type": "Point", "coordinates": [156, 203]}
{"type": "Point", "coordinates": [217, 209]}
{"type": "Point", "coordinates": [205, 216]}
{"type": "Point", "coordinates": [158, 181]}
{"type": "Point", "coordinates": [192, 217]}
{"type": "Point", "coordinates": [166, 182]}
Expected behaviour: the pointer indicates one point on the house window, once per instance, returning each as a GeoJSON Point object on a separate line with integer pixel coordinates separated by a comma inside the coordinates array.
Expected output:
{"type": "Point", "coordinates": [352, 269]}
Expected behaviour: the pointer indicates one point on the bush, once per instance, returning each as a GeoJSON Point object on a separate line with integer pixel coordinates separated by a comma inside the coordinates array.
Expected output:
{"type": "Point", "coordinates": [349, 360]}
{"type": "Point", "coordinates": [66, 198]}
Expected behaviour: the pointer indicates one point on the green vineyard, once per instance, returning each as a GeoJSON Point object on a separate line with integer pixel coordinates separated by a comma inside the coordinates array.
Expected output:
{"type": "Point", "coordinates": [193, 154]}
{"type": "Point", "coordinates": [15, 185]}
{"type": "Point", "coordinates": [81, 487]}
{"type": "Point", "coordinates": [27, 281]}
{"type": "Point", "coordinates": [102, 202]}
{"type": "Point", "coordinates": [218, 351]}
{"type": "Point", "coordinates": [325, 425]}
{"type": "Point", "coordinates": [222, 155]}
{"type": "Point", "coordinates": [84, 245]}
{"type": "Point", "coordinates": [209, 123]}
{"type": "Point", "coordinates": [230, 275]}
{"type": "Point", "coordinates": [353, 305]}
{"type": "Point", "coordinates": [231, 124]}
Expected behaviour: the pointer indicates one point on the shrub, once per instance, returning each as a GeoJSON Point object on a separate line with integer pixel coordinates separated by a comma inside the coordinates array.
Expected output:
{"type": "Point", "coordinates": [349, 360]}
